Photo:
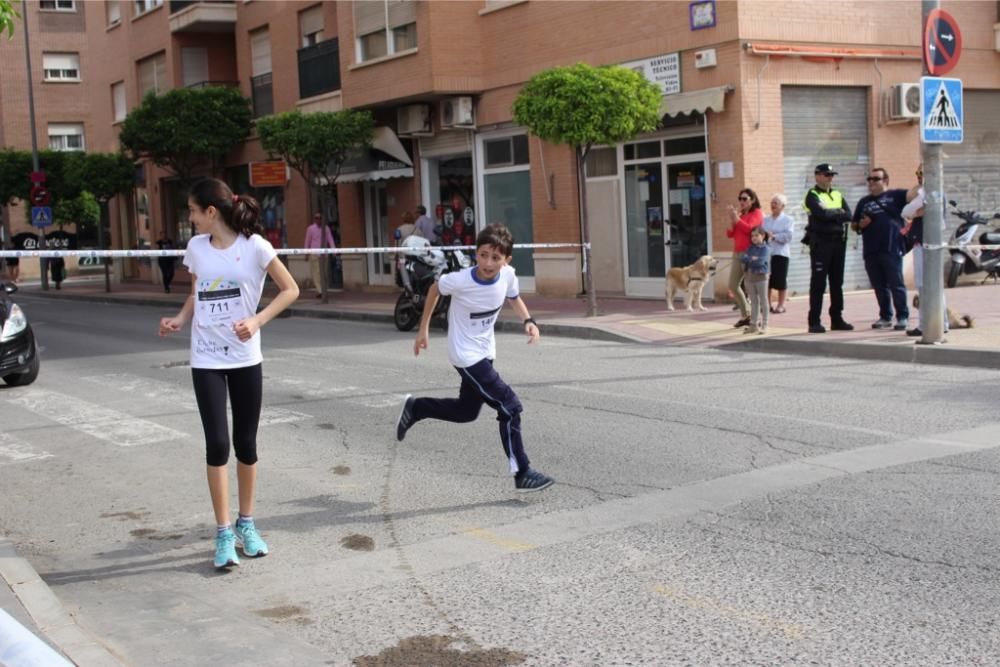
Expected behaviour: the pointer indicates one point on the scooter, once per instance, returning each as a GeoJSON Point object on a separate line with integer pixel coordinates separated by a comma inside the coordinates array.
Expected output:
{"type": "Point", "coordinates": [417, 268]}
{"type": "Point", "coordinates": [973, 260]}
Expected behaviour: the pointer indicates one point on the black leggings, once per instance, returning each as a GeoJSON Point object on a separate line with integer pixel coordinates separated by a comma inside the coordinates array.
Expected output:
{"type": "Point", "coordinates": [245, 391]}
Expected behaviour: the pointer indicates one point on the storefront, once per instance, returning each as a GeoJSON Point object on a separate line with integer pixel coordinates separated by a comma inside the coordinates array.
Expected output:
{"type": "Point", "coordinates": [448, 184]}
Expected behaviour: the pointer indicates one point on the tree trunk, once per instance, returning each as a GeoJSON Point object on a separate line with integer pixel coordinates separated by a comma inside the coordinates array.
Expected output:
{"type": "Point", "coordinates": [588, 272]}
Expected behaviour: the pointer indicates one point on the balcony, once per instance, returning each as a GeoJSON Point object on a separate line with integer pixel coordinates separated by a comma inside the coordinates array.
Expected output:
{"type": "Point", "coordinates": [203, 16]}
{"type": "Point", "coordinates": [262, 95]}
{"type": "Point", "coordinates": [319, 68]}
{"type": "Point", "coordinates": [207, 84]}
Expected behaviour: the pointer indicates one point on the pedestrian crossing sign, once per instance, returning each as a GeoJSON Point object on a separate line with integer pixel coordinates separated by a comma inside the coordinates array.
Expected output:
{"type": "Point", "coordinates": [941, 111]}
{"type": "Point", "coordinates": [41, 216]}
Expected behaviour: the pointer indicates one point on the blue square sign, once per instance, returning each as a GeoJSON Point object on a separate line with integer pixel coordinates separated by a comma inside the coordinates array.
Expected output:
{"type": "Point", "coordinates": [941, 111]}
{"type": "Point", "coordinates": [41, 216]}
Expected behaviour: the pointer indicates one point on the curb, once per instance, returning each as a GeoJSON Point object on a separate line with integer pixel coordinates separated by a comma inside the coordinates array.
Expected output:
{"type": "Point", "coordinates": [48, 613]}
{"type": "Point", "coordinates": [939, 355]}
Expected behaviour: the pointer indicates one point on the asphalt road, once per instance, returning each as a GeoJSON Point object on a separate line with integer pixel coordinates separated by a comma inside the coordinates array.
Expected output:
{"type": "Point", "coordinates": [712, 508]}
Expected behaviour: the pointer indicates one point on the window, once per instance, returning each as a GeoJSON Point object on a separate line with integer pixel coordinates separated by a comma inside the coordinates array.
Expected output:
{"type": "Point", "coordinates": [194, 65]}
{"type": "Point", "coordinates": [384, 28]}
{"type": "Point", "coordinates": [143, 6]}
{"type": "Point", "coordinates": [118, 105]}
{"type": "Point", "coordinates": [66, 136]}
{"type": "Point", "coordinates": [61, 66]}
{"type": "Point", "coordinates": [113, 9]}
{"type": "Point", "coordinates": [58, 5]}
{"type": "Point", "coordinates": [601, 162]}
{"type": "Point", "coordinates": [260, 52]}
{"type": "Point", "coordinates": [153, 74]}
{"type": "Point", "coordinates": [311, 26]}
{"type": "Point", "coordinates": [507, 152]}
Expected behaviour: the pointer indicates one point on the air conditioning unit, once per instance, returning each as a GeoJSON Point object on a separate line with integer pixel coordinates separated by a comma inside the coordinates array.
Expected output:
{"type": "Point", "coordinates": [904, 101]}
{"type": "Point", "coordinates": [457, 112]}
{"type": "Point", "coordinates": [414, 120]}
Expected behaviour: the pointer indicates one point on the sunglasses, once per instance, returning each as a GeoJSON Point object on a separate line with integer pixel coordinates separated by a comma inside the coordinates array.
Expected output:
{"type": "Point", "coordinates": [744, 198]}
{"type": "Point", "coordinates": [920, 174]}
{"type": "Point", "coordinates": [873, 179]}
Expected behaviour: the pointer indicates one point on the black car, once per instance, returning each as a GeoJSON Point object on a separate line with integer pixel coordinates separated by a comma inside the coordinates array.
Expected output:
{"type": "Point", "coordinates": [18, 354]}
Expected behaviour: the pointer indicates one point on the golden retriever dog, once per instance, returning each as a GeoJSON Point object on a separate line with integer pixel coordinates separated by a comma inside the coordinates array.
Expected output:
{"type": "Point", "coordinates": [955, 321]}
{"type": "Point", "coordinates": [691, 279]}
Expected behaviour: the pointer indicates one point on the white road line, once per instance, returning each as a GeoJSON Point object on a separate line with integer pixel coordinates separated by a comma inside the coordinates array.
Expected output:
{"type": "Point", "coordinates": [113, 426]}
{"type": "Point", "coordinates": [13, 450]}
{"type": "Point", "coordinates": [169, 393]}
{"type": "Point", "coordinates": [701, 405]}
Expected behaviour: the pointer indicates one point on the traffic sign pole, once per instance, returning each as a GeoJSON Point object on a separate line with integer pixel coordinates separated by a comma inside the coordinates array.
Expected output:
{"type": "Point", "coordinates": [932, 289]}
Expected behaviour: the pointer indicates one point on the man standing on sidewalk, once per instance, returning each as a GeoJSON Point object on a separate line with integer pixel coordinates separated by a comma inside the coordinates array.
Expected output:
{"type": "Point", "coordinates": [314, 239]}
{"type": "Point", "coordinates": [826, 235]}
{"type": "Point", "coordinates": [425, 226]}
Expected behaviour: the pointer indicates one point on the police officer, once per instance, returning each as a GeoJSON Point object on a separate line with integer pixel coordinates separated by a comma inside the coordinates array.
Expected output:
{"type": "Point", "coordinates": [826, 235]}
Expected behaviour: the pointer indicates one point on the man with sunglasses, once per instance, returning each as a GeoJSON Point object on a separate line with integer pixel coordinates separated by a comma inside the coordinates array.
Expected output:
{"type": "Point", "coordinates": [878, 218]}
{"type": "Point", "coordinates": [826, 235]}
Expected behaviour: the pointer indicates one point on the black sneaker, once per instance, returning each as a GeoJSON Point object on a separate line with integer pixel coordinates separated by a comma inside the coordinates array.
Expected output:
{"type": "Point", "coordinates": [915, 331]}
{"type": "Point", "coordinates": [532, 480]}
{"type": "Point", "coordinates": [841, 325]}
{"type": "Point", "coordinates": [405, 420]}
{"type": "Point", "coordinates": [742, 323]}
{"type": "Point", "coordinates": [817, 328]}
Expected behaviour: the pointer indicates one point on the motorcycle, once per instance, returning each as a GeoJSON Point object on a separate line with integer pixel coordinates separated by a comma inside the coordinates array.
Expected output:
{"type": "Point", "coordinates": [417, 268]}
{"type": "Point", "coordinates": [973, 260]}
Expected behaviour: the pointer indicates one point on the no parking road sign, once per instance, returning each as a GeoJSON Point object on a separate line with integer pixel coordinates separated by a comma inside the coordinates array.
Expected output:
{"type": "Point", "coordinates": [941, 111]}
{"type": "Point", "coordinates": [942, 42]}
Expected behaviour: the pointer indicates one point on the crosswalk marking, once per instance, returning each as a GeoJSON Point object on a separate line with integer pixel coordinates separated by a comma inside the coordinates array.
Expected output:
{"type": "Point", "coordinates": [313, 390]}
{"type": "Point", "coordinates": [169, 393]}
{"type": "Point", "coordinates": [13, 450]}
{"type": "Point", "coordinates": [116, 427]}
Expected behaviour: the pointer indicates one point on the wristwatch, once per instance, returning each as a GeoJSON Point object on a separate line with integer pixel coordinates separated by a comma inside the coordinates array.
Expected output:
{"type": "Point", "coordinates": [530, 320]}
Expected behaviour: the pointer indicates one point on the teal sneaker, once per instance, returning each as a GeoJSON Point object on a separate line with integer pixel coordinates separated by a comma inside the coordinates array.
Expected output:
{"type": "Point", "coordinates": [250, 541]}
{"type": "Point", "coordinates": [225, 550]}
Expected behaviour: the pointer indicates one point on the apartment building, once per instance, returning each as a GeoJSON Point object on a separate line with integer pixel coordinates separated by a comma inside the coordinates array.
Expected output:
{"type": "Point", "coordinates": [754, 95]}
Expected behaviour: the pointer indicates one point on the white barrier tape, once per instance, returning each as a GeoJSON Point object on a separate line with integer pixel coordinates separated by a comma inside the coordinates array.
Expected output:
{"type": "Point", "coordinates": [281, 251]}
{"type": "Point", "coordinates": [971, 246]}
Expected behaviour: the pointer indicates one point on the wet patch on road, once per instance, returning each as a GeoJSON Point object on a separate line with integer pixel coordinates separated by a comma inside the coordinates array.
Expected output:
{"type": "Point", "coordinates": [125, 516]}
{"type": "Point", "coordinates": [358, 542]}
{"type": "Point", "coordinates": [142, 532]}
{"type": "Point", "coordinates": [286, 612]}
{"type": "Point", "coordinates": [341, 470]}
{"type": "Point", "coordinates": [326, 427]}
{"type": "Point", "coordinates": [435, 650]}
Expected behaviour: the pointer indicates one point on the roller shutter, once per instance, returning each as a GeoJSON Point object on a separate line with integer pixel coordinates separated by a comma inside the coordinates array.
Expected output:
{"type": "Point", "coordinates": [823, 124]}
{"type": "Point", "coordinates": [972, 168]}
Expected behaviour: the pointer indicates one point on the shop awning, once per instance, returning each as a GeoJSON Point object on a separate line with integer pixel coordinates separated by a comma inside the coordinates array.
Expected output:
{"type": "Point", "coordinates": [713, 99]}
{"type": "Point", "coordinates": [385, 158]}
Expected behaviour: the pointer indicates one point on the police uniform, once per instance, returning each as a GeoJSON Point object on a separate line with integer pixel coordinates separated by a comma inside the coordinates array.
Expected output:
{"type": "Point", "coordinates": [826, 234]}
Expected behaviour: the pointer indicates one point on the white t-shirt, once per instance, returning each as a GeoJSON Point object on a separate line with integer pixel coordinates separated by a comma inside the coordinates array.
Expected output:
{"type": "Point", "coordinates": [229, 284]}
{"type": "Point", "coordinates": [474, 308]}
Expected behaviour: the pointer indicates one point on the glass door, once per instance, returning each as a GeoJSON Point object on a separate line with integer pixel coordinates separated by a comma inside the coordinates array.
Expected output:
{"type": "Point", "coordinates": [377, 228]}
{"type": "Point", "coordinates": [686, 222]}
{"type": "Point", "coordinates": [644, 221]}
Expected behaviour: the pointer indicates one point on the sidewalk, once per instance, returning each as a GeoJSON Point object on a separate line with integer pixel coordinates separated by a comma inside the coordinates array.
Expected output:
{"type": "Point", "coordinates": [648, 321]}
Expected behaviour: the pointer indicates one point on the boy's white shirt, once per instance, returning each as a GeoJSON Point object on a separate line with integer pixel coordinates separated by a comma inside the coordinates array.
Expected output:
{"type": "Point", "coordinates": [229, 286]}
{"type": "Point", "coordinates": [473, 312]}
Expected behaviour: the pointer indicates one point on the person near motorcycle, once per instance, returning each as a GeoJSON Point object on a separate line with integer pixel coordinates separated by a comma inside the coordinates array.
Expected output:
{"type": "Point", "coordinates": [477, 296]}
{"type": "Point", "coordinates": [878, 219]}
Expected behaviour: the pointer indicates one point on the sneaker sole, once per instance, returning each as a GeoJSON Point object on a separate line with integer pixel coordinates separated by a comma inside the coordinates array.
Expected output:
{"type": "Point", "coordinates": [229, 564]}
{"type": "Point", "coordinates": [406, 400]}
{"type": "Point", "coordinates": [537, 488]}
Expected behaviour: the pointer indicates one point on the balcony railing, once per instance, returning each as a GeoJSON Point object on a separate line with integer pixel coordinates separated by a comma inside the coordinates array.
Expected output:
{"type": "Point", "coordinates": [319, 68]}
{"type": "Point", "coordinates": [263, 95]}
{"type": "Point", "coordinates": [206, 84]}
{"type": "Point", "coordinates": [178, 5]}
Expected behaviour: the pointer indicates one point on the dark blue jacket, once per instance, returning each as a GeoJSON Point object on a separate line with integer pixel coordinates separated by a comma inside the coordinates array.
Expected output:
{"type": "Point", "coordinates": [757, 259]}
{"type": "Point", "coordinates": [883, 235]}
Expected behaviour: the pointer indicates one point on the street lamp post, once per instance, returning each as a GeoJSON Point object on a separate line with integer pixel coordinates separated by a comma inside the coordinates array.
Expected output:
{"type": "Point", "coordinates": [42, 262]}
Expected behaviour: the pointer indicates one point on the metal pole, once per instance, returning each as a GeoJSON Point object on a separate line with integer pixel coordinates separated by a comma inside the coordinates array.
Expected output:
{"type": "Point", "coordinates": [42, 262]}
{"type": "Point", "coordinates": [932, 289]}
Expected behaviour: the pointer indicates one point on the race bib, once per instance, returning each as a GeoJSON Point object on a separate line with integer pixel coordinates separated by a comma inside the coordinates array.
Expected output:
{"type": "Point", "coordinates": [220, 303]}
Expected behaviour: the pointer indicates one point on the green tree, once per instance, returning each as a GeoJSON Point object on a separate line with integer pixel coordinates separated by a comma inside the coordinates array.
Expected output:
{"type": "Point", "coordinates": [82, 209]}
{"type": "Point", "coordinates": [187, 129]}
{"type": "Point", "coordinates": [316, 145]}
{"type": "Point", "coordinates": [8, 17]}
{"type": "Point", "coordinates": [581, 106]}
{"type": "Point", "coordinates": [102, 176]}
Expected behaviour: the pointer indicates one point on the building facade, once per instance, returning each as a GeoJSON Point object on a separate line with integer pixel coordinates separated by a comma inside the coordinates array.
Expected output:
{"type": "Point", "coordinates": [754, 95]}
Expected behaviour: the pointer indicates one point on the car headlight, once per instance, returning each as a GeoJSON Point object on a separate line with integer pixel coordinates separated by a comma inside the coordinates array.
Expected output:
{"type": "Point", "coordinates": [15, 324]}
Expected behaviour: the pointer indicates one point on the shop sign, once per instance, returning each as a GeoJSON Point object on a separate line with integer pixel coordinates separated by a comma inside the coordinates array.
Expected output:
{"type": "Point", "coordinates": [664, 71]}
{"type": "Point", "coordinates": [271, 174]}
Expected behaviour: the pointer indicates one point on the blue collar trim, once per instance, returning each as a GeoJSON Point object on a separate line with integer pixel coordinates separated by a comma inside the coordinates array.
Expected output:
{"type": "Point", "coordinates": [479, 281]}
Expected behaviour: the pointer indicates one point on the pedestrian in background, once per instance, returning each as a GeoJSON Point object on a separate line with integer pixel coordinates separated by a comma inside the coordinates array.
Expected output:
{"type": "Point", "coordinates": [314, 239]}
{"type": "Point", "coordinates": [13, 264]}
{"type": "Point", "coordinates": [57, 268]}
{"type": "Point", "coordinates": [826, 236]}
{"type": "Point", "coordinates": [425, 226]}
{"type": "Point", "coordinates": [168, 263]}
{"type": "Point", "coordinates": [756, 270]}
{"type": "Point", "coordinates": [228, 261]}
{"type": "Point", "coordinates": [478, 294]}
{"type": "Point", "coordinates": [741, 221]}
{"type": "Point", "coordinates": [780, 228]}
{"type": "Point", "coordinates": [878, 218]}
